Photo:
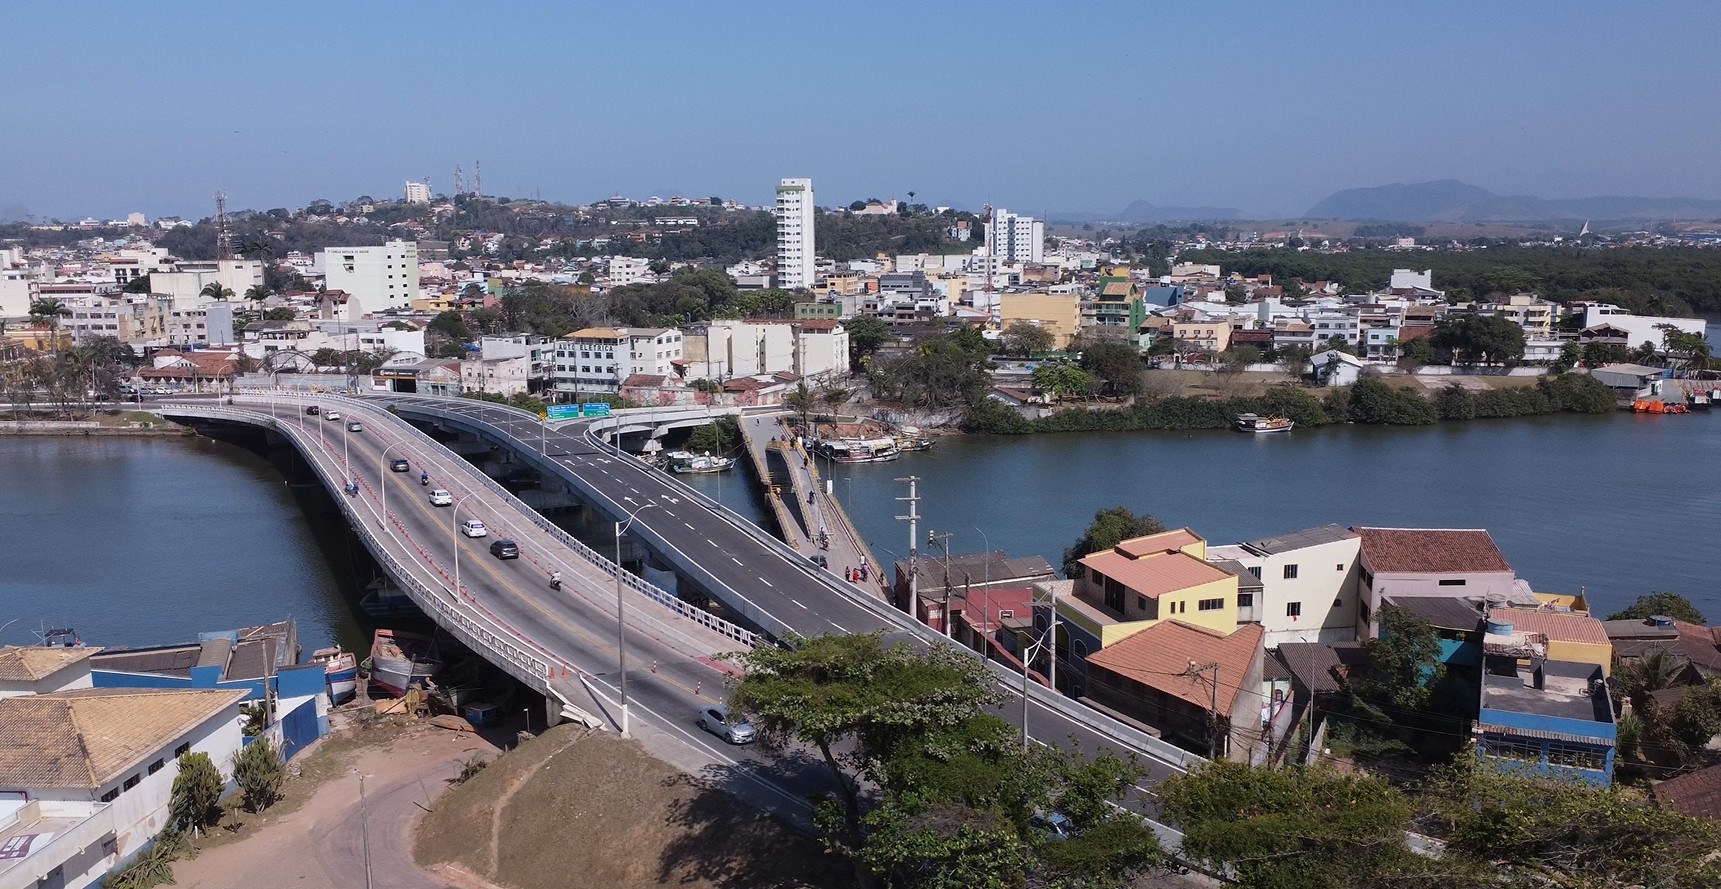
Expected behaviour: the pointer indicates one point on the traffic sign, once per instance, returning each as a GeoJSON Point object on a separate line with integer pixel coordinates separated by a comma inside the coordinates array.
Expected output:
{"type": "Point", "coordinates": [563, 412]}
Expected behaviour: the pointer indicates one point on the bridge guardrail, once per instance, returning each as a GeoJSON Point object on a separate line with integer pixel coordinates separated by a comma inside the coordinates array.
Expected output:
{"type": "Point", "coordinates": [477, 631]}
{"type": "Point", "coordinates": [657, 594]}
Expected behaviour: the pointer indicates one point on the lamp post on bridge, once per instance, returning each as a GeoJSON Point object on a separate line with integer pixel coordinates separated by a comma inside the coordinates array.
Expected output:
{"type": "Point", "coordinates": [454, 536]}
{"type": "Point", "coordinates": [621, 613]}
{"type": "Point", "coordinates": [382, 475]}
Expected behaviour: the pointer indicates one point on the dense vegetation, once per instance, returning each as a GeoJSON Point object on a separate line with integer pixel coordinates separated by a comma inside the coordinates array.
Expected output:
{"type": "Point", "coordinates": [1653, 281]}
{"type": "Point", "coordinates": [1370, 401]}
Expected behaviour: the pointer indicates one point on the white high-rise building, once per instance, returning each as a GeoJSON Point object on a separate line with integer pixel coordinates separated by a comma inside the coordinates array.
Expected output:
{"type": "Point", "coordinates": [418, 192]}
{"type": "Point", "coordinates": [1015, 238]}
{"type": "Point", "coordinates": [384, 277]}
{"type": "Point", "coordinates": [795, 233]}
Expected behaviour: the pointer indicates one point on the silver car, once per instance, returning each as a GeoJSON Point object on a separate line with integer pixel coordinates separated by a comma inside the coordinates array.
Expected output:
{"type": "Point", "coordinates": [734, 729]}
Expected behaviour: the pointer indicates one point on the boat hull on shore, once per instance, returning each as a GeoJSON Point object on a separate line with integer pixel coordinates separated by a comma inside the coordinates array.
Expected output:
{"type": "Point", "coordinates": [400, 660]}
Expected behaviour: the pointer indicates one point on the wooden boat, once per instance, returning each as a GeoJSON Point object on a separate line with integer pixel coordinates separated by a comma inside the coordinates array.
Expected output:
{"type": "Point", "coordinates": [1258, 423]}
{"type": "Point", "coordinates": [340, 671]}
{"type": "Point", "coordinates": [399, 660]}
{"type": "Point", "coordinates": [859, 450]}
{"type": "Point", "coordinates": [908, 438]}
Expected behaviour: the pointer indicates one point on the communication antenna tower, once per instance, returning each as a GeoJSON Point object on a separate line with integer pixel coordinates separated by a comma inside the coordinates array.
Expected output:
{"type": "Point", "coordinates": [478, 179]}
{"type": "Point", "coordinates": [987, 242]}
{"type": "Point", "coordinates": [459, 180]}
{"type": "Point", "coordinates": [223, 239]}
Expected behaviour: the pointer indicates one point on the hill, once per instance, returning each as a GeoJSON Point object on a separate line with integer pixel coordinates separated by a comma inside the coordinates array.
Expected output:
{"type": "Point", "coordinates": [1448, 200]}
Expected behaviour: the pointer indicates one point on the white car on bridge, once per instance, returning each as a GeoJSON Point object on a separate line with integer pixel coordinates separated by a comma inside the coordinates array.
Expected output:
{"type": "Point", "coordinates": [440, 497]}
{"type": "Point", "coordinates": [474, 528]}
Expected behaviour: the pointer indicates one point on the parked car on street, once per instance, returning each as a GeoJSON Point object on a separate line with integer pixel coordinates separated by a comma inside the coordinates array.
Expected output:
{"type": "Point", "coordinates": [474, 528]}
{"type": "Point", "coordinates": [717, 720]}
{"type": "Point", "coordinates": [505, 549]}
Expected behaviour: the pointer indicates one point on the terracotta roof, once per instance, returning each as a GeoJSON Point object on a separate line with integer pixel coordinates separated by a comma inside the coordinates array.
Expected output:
{"type": "Point", "coordinates": [87, 738]}
{"type": "Point", "coordinates": [1154, 576]}
{"type": "Point", "coordinates": [1693, 793]}
{"type": "Point", "coordinates": [1158, 657]}
{"type": "Point", "coordinates": [1163, 542]}
{"type": "Point", "coordinates": [1557, 626]}
{"type": "Point", "coordinates": [1430, 550]}
{"type": "Point", "coordinates": [1699, 645]}
{"type": "Point", "coordinates": [645, 380]}
{"type": "Point", "coordinates": [28, 663]}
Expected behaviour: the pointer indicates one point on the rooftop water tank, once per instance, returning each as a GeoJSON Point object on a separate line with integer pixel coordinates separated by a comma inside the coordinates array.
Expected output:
{"type": "Point", "coordinates": [1660, 620]}
{"type": "Point", "coordinates": [1497, 627]}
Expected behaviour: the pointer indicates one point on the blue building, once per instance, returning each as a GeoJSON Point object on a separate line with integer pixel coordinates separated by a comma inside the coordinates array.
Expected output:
{"type": "Point", "coordinates": [1540, 716]}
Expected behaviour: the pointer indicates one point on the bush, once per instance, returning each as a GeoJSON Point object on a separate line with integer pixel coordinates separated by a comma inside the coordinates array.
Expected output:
{"type": "Point", "coordinates": [1372, 401]}
{"type": "Point", "coordinates": [1579, 393]}
{"type": "Point", "coordinates": [1455, 403]}
{"type": "Point", "coordinates": [259, 773]}
{"type": "Point", "coordinates": [154, 867]}
{"type": "Point", "coordinates": [195, 804]}
{"type": "Point", "coordinates": [470, 768]}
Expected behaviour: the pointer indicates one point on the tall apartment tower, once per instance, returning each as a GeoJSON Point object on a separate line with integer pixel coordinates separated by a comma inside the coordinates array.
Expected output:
{"type": "Point", "coordinates": [418, 192]}
{"type": "Point", "coordinates": [1015, 238]}
{"type": "Point", "coordinates": [795, 233]}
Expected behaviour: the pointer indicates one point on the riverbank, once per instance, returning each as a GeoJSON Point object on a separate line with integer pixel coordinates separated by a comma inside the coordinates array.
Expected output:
{"type": "Point", "coordinates": [89, 428]}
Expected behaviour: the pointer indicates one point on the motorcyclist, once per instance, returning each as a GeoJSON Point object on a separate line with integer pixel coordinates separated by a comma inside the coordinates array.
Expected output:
{"type": "Point", "coordinates": [555, 580]}
{"type": "Point", "coordinates": [424, 478]}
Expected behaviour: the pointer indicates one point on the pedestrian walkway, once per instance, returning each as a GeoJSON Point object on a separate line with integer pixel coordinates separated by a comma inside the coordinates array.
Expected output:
{"type": "Point", "coordinates": [812, 520]}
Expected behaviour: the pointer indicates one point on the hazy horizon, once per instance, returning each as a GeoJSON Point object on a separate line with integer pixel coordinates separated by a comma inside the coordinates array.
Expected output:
{"type": "Point", "coordinates": [1267, 108]}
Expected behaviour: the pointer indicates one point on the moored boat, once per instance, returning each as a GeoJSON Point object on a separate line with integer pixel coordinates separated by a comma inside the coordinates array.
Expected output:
{"type": "Point", "coordinates": [697, 464]}
{"type": "Point", "coordinates": [908, 438]}
{"type": "Point", "coordinates": [340, 671]}
{"type": "Point", "coordinates": [399, 660]}
{"type": "Point", "coordinates": [859, 450]}
{"type": "Point", "coordinates": [1258, 423]}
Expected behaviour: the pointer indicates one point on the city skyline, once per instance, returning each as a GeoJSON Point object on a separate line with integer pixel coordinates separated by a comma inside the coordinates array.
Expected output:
{"type": "Point", "coordinates": [1260, 107]}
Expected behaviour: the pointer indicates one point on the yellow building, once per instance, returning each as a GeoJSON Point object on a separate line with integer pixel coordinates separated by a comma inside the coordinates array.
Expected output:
{"type": "Point", "coordinates": [1577, 638]}
{"type": "Point", "coordinates": [1060, 313]}
{"type": "Point", "coordinates": [439, 302]}
{"type": "Point", "coordinates": [1211, 337]}
{"type": "Point", "coordinates": [1143, 581]}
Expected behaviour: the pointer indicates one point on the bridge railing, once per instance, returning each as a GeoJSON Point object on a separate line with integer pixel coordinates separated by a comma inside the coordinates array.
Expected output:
{"type": "Point", "coordinates": [1116, 729]}
{"type": "Point", "coordinates": [691, 612]}
{"type": "Point", "coordinates": [507, 647]}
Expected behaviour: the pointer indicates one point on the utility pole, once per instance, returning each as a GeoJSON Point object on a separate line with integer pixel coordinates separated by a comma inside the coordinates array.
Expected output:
{"type": "Point", "coordinates": [933, 538]}
{"type": "Point", "coordinates": [1194, 671]}
{"type": "Point", "coordinates": [913, 520]}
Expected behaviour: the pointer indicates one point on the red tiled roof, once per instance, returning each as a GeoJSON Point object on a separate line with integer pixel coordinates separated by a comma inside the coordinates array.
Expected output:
{"type": "Point", "coordinates": [1163, 542]}
{"type": "Point", "coordinates": [1700, 644]}
{"type": "Point", "coordinates": [1158, 657]}
{"type": "Point", "coordinates": [1558, 626]}
{"type": "Point", "coordinates": [1154, 576]}
{"type": "Point", "coordinates": [1693, 793]}
{"type": "Point", "coordinates": [646, 380]}
{"type": "Point", "coordinates": [1430, 550]}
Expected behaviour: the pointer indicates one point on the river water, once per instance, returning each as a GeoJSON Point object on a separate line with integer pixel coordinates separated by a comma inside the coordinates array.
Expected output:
{"type": "Point", "coordinates": [148, 541]}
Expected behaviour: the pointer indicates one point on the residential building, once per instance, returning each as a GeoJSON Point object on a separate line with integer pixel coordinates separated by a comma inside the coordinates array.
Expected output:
{"type": "Point", "coordinates": [1335, 368]}
{"type": "Point", "coordinates": [1537, 316]}
{"type": "Point", "coordinates": [1201, 337]}
{"type": "Point", "coordinates": [1136, 584]}
{"type": "Point", "coordinates": [384, 277]}
{"type": "Point", "coordinates": [117, 746]}
{"type": "Point", "coordinates": [795, 245]}
{"type": "Point", "coordinates": [502, 376]}
{"type": "Point", "coordinates": [1299, 598]}
{"type": "Point", "coordinates": [1694, 793]}
{"type": "Point", "coordinates": [17, 292]}
{"type": "Point", "coordinates": [1541, 716]}
{"type": "Point", "coordinates": [1639, 329]}
{"type": "Point", "coordinates": [1573, 638]}
{"type": "Point", "coordinates": [625, 270]}
{"type": "Point", "coordinates": [417, 192]}
{"type": "Point", "coordinates": [42, 669]}
{"type": "Point", "coordinates": [1014, 238]}
{"type": "Point", "coordinates": [725, 348]}
{"type": "Point", "coordinates": [1453, 563]}
{"type": "Point", "coordinates": [1198, 687]}
{"type": "Point", "coordinates": [944, 580]}
{"type": "Point", "coordinates": [1697, 645]}
{"type": "Point", "coordinates": [538, 352]}
{"type": "Point", "coordinates": [596, 360]}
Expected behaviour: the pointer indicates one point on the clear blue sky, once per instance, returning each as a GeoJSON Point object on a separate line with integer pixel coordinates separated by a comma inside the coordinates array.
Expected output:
{"type": "Point", "coordinates": [113, 107]}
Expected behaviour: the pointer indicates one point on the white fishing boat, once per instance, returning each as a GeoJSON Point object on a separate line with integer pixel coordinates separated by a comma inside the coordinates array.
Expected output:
{"type": "Point", "coordinates": [859, 450]}
{"type": "Point", "coordinates": [697, 464]}
{"type": "Point", "coordinates": [340, 671]}
{"type": "Point", "coordinates": [1258, 423]}
{"type": "Point", "coordinates": [399, 660]}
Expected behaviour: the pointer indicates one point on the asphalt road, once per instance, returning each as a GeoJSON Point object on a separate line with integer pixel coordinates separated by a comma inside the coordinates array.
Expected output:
{"type": "Point", "coordinates": [748, 569]}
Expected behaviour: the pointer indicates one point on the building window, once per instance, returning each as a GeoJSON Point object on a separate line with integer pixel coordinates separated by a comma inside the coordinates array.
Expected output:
{"type": "Point", "coordinates": [1255, 570]}
{"type": "Point", "coordinates": [131, 782]}
{"type": "Point", "coordinates": [1290, 572]}
{"type": "Point", "coordinates": [156, 766]}
{"type": "Point", "coordinates": [1245, 600]}
{"type": "Point", "coordinates": [1141, 603]}
{"type": "Point", "coordinates": [1458, 581]}
{"type": "Point", "coordinates": [1574, 756]}
{"type": "Point", "coordinates": [1339, 567]}
{"type": "Point", "coordinates": [1513, 749]}
{"type": "Point", "coordinates": [1293, 609]}
{"type": "Point", "coordinates": [111, 795]}
{"type": "Point", "coordinates": [181, 750]}
{"type": "Point", "coordinates": [1211, 604]}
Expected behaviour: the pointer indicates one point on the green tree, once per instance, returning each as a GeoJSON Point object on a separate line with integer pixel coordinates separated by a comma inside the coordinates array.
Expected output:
{"type": "Point", "coordinates": [1117, 366]}
{"type": "Point", "coordinates": [1404, 665]}
{"type": "Point", "coordinates": [215, 290]}
{"type": "Point", "coordinates": [258, 294]}
{"type": "Point", "coordinates": [1480, 340]}
{"type": "Point", "coordinates": [1691, 350]}
{"type": "Point", "coordinates": [1297, 827]}
{"type": "Point", "coordinates": [139, 284]}
{"type": "Point", "coordinates": [866, 335]}
{"type": "Point", "coordinates": [1597, 354]}
{"type": "Point", "coordinates": [1373, 401]}
{"type": "Point", "coordinates": [259, 772]}
{"type": "Point", "coordinates": [194, 805]}
{"type": "Point", "coordinates": [1417, 352]}
{"type": "Point", "coordinates": [1111, 526]}
{"type": "Point", "coordinates": [720, 436]}
{"type": "Point", "coordinates": [1026, 338]}
{"type": "Point", "coordinates": [450, 325]}
{"type": "Point", "coordinates": [1454, 402]}
{"type": "Point", "coordinates": [1579, 393]}
{"type": "Point", "coordinates": [1062, 380]}
{"type": "Point", "coordinates": [833, 397]}
{"type": "Point", "coordinates": [49, 311]}
{"type": "Point", "coordinates": [802, 401]}
{"type": "Point", "coordinates": [1295, 361]}
{"type": "Point", "coordinates": [1661, 604]}
{"type": "Point", "coordinates": [949, 790]}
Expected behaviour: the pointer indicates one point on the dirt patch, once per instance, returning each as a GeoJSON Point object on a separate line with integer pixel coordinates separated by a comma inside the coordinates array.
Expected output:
{"type": "Point", "coordinates": [593, 809]}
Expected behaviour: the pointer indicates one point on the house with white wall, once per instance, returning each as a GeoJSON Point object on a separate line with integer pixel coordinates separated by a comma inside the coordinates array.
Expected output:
{"type": "Point", "coordinates": [114, 748]}
{"type": "Point", "coordinates": [40, 669]}
{"type": "Point", "coordinates": [1460, 563]}
{"type": "Point", "coordinates": [1308, 583]}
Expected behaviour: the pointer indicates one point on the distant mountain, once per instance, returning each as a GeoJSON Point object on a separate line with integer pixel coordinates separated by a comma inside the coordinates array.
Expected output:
{"type": "Point", "coordinates": [1144, 213]}
{"type": "Point", "coordinates": [1449, 200]}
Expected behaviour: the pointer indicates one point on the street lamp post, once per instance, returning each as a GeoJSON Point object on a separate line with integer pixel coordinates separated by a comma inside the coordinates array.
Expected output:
{"type": "Point", "coordinates": [933, 538]}
{"type": "Point", "coordinates": [345, 460]}
{"type": "Point", "coordinates": [454, 535]}
{"type": "Point", "coordinates": [621, 614]}
{"type": "Point", "coordinates": [986, 584]}
{"type": "Point", "coordinates": [382, 474]}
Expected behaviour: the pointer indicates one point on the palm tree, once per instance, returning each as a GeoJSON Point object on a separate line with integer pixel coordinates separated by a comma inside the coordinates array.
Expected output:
{"type": "Point", "coordinates": [217, 291]}
{"type": "Point", "coordinates": [50, 310]}
{"type": "Point", "coordinates": [834, 397]}
{"type": "Point", "coordinates": [259, 294]}
{"type": "Point", "coordinates": [1652, 671]}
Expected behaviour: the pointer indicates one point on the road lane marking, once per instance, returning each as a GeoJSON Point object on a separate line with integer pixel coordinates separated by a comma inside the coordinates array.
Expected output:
{"type": "Point", "coordinates": [690, 527]}
{"type": "Point", "coordinates": [798, 602]}
{"type": "Point", "coordinates": [735, 560]}
{"type": "Point", "coordinates": [839, 626]}
{"type": "Point", "coordinates": [766, 582]}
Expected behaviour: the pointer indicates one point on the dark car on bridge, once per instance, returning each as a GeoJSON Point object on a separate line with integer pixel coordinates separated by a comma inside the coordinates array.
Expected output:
{"type": "Point", "coordinates": [399, 465]}
{"type": "Point", "coordinates": [505, 549]}
{"type": "Point", "coordinates": [312, 411]}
